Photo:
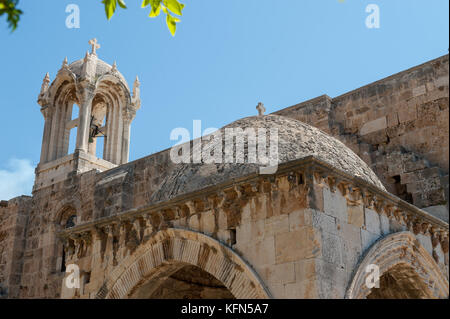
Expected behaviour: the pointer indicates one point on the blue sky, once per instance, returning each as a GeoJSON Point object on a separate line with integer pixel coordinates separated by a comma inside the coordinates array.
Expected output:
{"type": "Point", "coordinates": [225, 58]}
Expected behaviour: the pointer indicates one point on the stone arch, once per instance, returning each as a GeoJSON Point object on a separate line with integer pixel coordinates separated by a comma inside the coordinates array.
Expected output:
{"type": "Point", "coordinates": [68, 215]}
{"type": "Point", "coordinates": [192, 248]}
{"type": "Point", "coordinates": [64, 82]}
{"type": "Point", "coordinates": [107, 80]}
{"type": "Point", "coordinates": [61, 214]}
{"type": "Point", "coordinates": [60, 211]}
{"type": "Point", "coordinates": [115, 94]}
{"type": "Point", "coordinates": [400, 250]}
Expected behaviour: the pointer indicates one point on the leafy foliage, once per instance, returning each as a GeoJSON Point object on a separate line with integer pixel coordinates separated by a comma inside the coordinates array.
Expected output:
{"type": "Point", "coordinates": [9, 7]}
{"type": "Point", "coordinates": [172, 9]}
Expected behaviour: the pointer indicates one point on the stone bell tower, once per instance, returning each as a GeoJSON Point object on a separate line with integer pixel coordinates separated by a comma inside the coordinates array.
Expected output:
{"type": "Point", "coordinates": [106, 108]}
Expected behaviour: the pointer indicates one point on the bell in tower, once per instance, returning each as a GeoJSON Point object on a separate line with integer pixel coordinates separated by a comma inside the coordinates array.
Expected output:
{"type": "Point", "coordinates": [106, 108]}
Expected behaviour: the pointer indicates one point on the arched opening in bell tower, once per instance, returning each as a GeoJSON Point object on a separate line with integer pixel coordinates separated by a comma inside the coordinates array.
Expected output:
{"type": "Point", "coordinates": [73, 129]}
{"type": "Point", "coordinates": [98, 127]}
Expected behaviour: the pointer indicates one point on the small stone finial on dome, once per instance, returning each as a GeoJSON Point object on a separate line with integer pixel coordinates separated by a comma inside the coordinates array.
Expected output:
{"type": "Point", "coordinates": [65, 63]}
{"type": "Point", "coordinates": [86, 57]}
{"type": "Point", "coordinates": [261, 109]}
{"type": "Point", "coordinates": [114, 67]}
{"type": "Point", "coordinates": [94, 45]}
{"type": "Point", "coordinates": [136, 82]}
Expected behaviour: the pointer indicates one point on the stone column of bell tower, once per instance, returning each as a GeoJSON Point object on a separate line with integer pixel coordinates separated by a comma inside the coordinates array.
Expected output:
{"type": "Point", "coordinates": [106, 110]}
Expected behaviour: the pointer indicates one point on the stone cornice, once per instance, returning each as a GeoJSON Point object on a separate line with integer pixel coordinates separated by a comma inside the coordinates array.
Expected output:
{"type": "Point", "coordinates": [306, 166]}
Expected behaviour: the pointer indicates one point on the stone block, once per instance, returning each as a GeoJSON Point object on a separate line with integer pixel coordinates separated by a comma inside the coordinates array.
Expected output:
{"type": "Point", "coordinates": [297, 245]}
{"type": "Point", "coordinates": [392, 119]}
{"type": "Point", "coordinates": [260, 253]}
{"type": "Point", "coordinates": [243, 234]}
{"type": "Point", "coordinates": [194, 223]}
{"type": "Point", "coordinates": [442, 81]}
{"type": "Point", "coordinates": [305, 269]}
{"type": "Point", "coordinates": [408, 178]}
{"type": "Point", "coordinates": [300, 218]}
{"type": "Point", "coordinates": [350, 233]}
{"type": "Point", "coordinates": [407, 113]}
{"type": "Point", "coordinates": [208, 222]}
{"type": "Point", "coordinates": [324, 222]}
{"type": "Point", "coordinates": [257, 229]}
{"type": "Point", "coordinates": [277, 290]}
{"type": "Point", "coordinates": [368, 239]}
{"type": "Point", "coordinates": [384, 224]}
{"type": "Point", "coordinates": [351, 254]}
{"type": "Point", "coordinates": [316, 199]}
{"type": "Point", "coordinates": [335, 204]}
{"type": "Point", "coordinates": [356, 215]}
{"type": "Point", "coordinates": [276, 224]}
{"type": "Point", "coordinates": [302, 290]}
{"type": "Point", "coordinates": [332, 249]}
{"type": "Point", "coordinates": [411, 166]}
{"type": "Point", "coordinates": [373, 126]}
{"type": "Point", "coordinates": [332, 280]}
{"type": "Point", "coordinates": [420, 90]}
{"type": "Point", "coordinates": [281, 273]}
{"type": "Point", "coordinates": [372, 221]}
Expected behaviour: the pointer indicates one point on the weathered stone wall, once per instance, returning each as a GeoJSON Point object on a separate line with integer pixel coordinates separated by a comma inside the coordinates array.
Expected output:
{"type": "Point", "coordinates": [90, 196]}
{"type": "Point", "coordinates": [13, 221]}
{"type": "Point", "coordinates": [303, 235]}
{"type": "Point", "coordinates": [399, 126]}
{"type": "Point", "coordinates": [313, 252]}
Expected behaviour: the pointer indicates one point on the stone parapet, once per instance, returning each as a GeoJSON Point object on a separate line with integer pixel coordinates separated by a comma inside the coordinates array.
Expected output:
{"type": "Point", "coordinates": [57, 171]}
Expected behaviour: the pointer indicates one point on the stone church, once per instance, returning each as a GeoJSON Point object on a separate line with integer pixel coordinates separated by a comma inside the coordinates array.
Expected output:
{"type": "Point", "coordinates": [361, 189]}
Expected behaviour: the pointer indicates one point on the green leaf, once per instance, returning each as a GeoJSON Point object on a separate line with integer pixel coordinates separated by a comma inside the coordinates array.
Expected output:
{"type": "Point", "coordinates": [154, 13]}
{"type": "Point", "coordinates": [174, 6]}
{"type": "Point", "coordinates": [110, 7]}
{"type": "Point", "coordinates": [172, 23]}
{"type": "Point", "coordinates": [155, 3]}
{"type": "Point", "coordinates": [156, 8]}
{"type": "Point", "coordinates": [145, 3]}
{"type": "Point", "coordinates": [9, 7]}
{"type": "Point", "coordinates": [122, 4]}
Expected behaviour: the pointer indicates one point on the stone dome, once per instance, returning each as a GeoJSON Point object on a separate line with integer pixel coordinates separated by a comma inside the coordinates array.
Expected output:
{"type": "Point", "coordinates": [101, 69]}
{"type": "Point", "coordinates": [296, 140]}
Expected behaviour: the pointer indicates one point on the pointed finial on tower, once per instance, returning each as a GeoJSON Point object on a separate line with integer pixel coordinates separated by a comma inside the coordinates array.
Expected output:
{"type": "Point", "coordinates": [45, 84]}
{"type": "Point", "coordinates": [65, 63]}
{"type": "Point", "coordinates": [94, 45]}
{"type": "Point", "coordinates": [114, 67]}
{"type": "Point", "coordinates": [261, 109]}
{"type": "Point", "coordinates": [42, 98]}
{"type": "Point", "coordinates": [136, 100]}
{"type": "Point", "coordinates": [136, 91]}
